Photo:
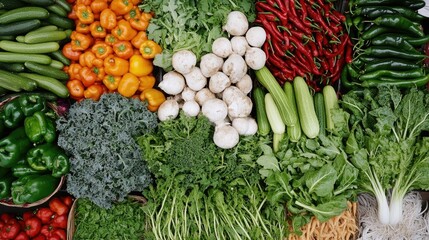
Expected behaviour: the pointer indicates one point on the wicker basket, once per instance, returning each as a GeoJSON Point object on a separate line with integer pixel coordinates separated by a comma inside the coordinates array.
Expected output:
{"type": "Point", "coordinates": [71, 228]}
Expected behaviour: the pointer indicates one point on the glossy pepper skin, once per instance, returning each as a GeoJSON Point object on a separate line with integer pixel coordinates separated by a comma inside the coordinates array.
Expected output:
{"type": "Point", "coordinates": [30, 104]}
{"type": "Point", "coordinates": [49, 157]}
{"type": "Point", "coordinates": [12, 114]}
{"type": "Point", "coordinates": [24, 169]}
{"type": "Point", "coordinates": [30, 189]}
{"type": "Point", "coordinates": [39, 128]}
{"type": "Point", "coordinates": [14, 147]}
{"type": "Point", "coordinates": [5, 186]}
{"type": "Point", "coordinates": [149, 49]}
{"type": "Point", "coordinates": [153, 97]}
{"type": "Point", "coordinates": [115, 66]}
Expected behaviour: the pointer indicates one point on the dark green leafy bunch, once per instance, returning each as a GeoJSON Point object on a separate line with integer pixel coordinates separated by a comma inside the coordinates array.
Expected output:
{"type": "Point", "coordinates": [106, 162]}
{"type": "Point", "coordinates": [190, 24]}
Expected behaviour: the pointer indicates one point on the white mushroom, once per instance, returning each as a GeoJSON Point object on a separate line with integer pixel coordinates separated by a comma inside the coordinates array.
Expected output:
{"type": "Point", "coordinates": [225, 136]}
{"type": "Point", "coordinates": [245, 84]}
{"type": "Point", "coordinates": [191, 108]}
{"type": "Point", "coordinates": [240, 108]}
{"type": "Point", "coordinates": [183, 61]}
{"type": "Point", "coordinates": [203, 95]}
{"type": "Point", "coordinates": [172, 83]}
{"type": "Point", "coordinates": [214, 109]}
{"type": "Point", "coordinates": [246, 126]}
{"type": "Point", "coordinates": [219, 82]}
{"type": "Point", "coordinates": [195, 79]}
{"type": "Point", "coordinates": [256, 36]}
{"type": "Point", "coordinates": [235, 67]}
{"type": "Point", "coordinates": [231, 94]}
{"type": "Point", "coordinates": [239, 45]}
{"type": "Point", "coordinates": [188, 94]}
{"type": "Point", "coordinates": [255, 58]}
{"type": "Point", "coordinates": [168, 110]}
{"type": "Point", "coordinates": [236, 23]}
{"type": "Point", "coordinates": [210, 64]}
{"type": "Point", "coordinates": [222, 47]}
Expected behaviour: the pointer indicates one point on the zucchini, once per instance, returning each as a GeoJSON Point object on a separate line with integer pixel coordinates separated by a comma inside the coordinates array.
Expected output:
{"type": "Point", "coordinates": [42, 37]}
{"type": "Point", "coordinates": [12, 67]}
{"type": "Point", "coordinates": [305, 106]}
{"type": "Point", "coordinates": [64, 4]}
{"type": "Point", "coordinates": [17, 47]}
{"type": "Point", "coordinates": [7, 57]}
{"type": "Point", "coordinates": [261, 115]}
{"type": "Point", "coordinates": [57, 9]}
{"type": "Point", "coordinates": [23, 13]}
{"type": "Point", "coordinates": [267, 80]}
{"type": "Point", "coordinates": [20, 27]}
{"type": "Point", "coordinates": [16, 83]}
{"type": "Point", "coordinates": [43, 3]}
{"type": "Point", "coordinates": [11, 4]}
{"type": "Point", "coordinates": [20, 38]}
{"type": "Point", "coordinates": [46, 70]}
{"type": "Point", "coordinates": [49, 84]}
{"type": "Point", "coordinates": [47, 28]}
{"type": "Point", "coordinates": [275, 120]}
{"type": "Point", "coordinates": [58, 55]}
{"type": "Point", "coordinates": [294, 132]}
{"type": "Point", "coordinates": [331, 102]}
{"type": "Point", "coordinates": [57, 64]}
{"type": "Point", "coordinates": [319, 106]}
{"type": "Point", "coordinates": [61, 22]}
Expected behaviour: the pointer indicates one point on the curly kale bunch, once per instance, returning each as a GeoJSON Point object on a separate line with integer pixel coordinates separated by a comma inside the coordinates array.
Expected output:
{"type": "Point", "coordinates": [106, 162]}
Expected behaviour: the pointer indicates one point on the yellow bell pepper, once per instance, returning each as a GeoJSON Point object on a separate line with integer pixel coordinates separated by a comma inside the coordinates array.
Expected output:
{"type": "Point", "coordinates": [153, 97]}
{"type": "Point", "coordinates": [140, 66]}
{"type": "Point", "coordinates": [146, 82]}
{"type": "Point", "coordinates": [128, 85]}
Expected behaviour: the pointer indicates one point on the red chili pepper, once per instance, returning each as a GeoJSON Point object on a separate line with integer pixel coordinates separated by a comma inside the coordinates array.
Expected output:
{"type": "Point", "coordinates": [304, 13]}
{"type": "Point", "coordinates": [317, 18]}
{"type": "Point", "coordinates": [349, 51]}
{"type": "Point", "coordinates": [282, 5]}
{"type": "Point", "coordinates": [337, 49]}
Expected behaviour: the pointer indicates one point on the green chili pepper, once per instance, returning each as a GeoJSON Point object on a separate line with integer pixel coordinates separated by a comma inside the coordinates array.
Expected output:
{"type": "Point", "coordinates": [389, 52]}
{"type": "Point", "coordinates": [415, 4]}
{"type": "Point", "coordinates": [344, 79]}
{"type": "Point", "coordinates": [378, 11]}
{"type": "Point", "coordinates": [14, 147]}
{"type": "Point", "coordinates": [12, 114]}
{"type": "Point", "coordinates": [5, 186]}
{"type": "Point", "coordinates": [415, 73]}
{"type": "Point", "coordinates": [32, 188]}
{"type": "Point", "coordinates": [31, 104]}
{"type": "Point", "coordinates": [396, 41]}
{"type": "Point", "coordinates": [354, 74]}
{"type": "Point", "coordinates": [358, 63]}
{"type": "Point", "coordinates": [390, 63]}
{"type": "Point", "coordinates": [375, 2]}
{"type": "Point", "coordinates": [408, 83]}
{"type": "Point", "coordinates": [49, 157]}
{"type": "Point", "coordinates": [367, 59]}
{"type": "Point", "coordinates": [417, 41]}
{"type": "Point", "coordinates": [400, 23]}
{"type": "Point", "coordinates": [39, 128]}
{"type": "Point", "coordinates": [23, 169]}
{"type": "Point", "coordinates": [374, 31]}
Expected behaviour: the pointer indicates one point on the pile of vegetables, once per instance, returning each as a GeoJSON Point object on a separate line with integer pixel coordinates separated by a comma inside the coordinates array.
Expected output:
{"type": "Point", "coordinates": [31, 164]}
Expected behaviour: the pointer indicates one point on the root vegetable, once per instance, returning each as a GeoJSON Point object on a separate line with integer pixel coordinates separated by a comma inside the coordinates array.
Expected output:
{"type": "Point", "coordinates": [225, 136]}
{"type": "Point", "coordinates": [210, 64]}
{"type": "Point", "coordinates": [168, 110]}
{"type": "Point", "coordinates": [214, 109]}
{"type": "Point", "coordinates": [245, 126]}
{"type": "Point", "coordinates": [255, 58]}
{"type": "Point", "coordinates": [222, 47]}
{"type": "Point", "coordinates": [183, 61]}
{"type": "Point", "coordinates": [256, 36]}
{"type": "Point", "coordinates": [245, 84]}
{"type": "Point", "coordinates": [219, 82]}
{"type": "Point", "coordinates": [191, 108]}
{"type": "Point", "coordinates": [239, 45]}
{"type": "Point", "coordinates": [236, 23]}
{"type": "Point", "coordinates": [188, 94]}
{"type": "Point", "coordinates": [231, 94]}
{"type": "Point", "coordinates": [195, 79]}
{"type": "Point", "coordinates": [240, 108]}
{"type": "Point", "coordinates": [235, 67]}
{"type": "Point", "coordinates": [172, 83]}
{"type": "Point", "coordinates": [203, 95]}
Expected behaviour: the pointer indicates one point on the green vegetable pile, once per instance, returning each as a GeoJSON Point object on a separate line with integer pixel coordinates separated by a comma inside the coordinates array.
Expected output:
{"type": "Point", "coordinates": [106, 162]}
{"type": "Point", "coordinates": [189, 24]}
{"type": "Point", "coordinates": [93, 222]}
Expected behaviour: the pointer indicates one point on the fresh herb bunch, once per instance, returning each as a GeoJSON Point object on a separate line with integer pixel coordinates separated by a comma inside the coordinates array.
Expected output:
{"type": "Point", "coordinates": [106, 162]}
{"type": "Point", "coordinates": [123, 221]}
{"type": "Point", "coordinates": [190, 24]}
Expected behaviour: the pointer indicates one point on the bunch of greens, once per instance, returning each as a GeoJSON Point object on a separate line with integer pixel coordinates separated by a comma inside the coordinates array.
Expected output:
{"type": "Point", "coordinates": [203, 191]}
{"type": "Point", "coordinates": [190, 24]}
{"type": "Point", "coordinates": [123, 221]}
{"type": "Point", "coordinates": [312, 177]}
{"type": "Point", "coordinates": [389, 145]}
{"type": "Point", "coordinates": [106, 162]}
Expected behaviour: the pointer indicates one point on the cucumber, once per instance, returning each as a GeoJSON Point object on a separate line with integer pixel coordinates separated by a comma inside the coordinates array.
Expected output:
{"type": "Point", "coordinates": [18, 28]}
{"type": "Point", "coordinates": [12, 67]}
{"type": "Point", "coordinates": [275, 120]}
{"type": "Point", "coordinates": [319, 106]}
{"type": "Point", "coordinates": [58, 55]}
{"type": "Point", "coordinates": [47, 28]}
{"type": "Point", "coordinates": [10, 38]}
{"type": "Point", "coordinates": [331, 102]}
{"type": "Point", "coordinates": [16, 83]}
{"type": "Point", "coordinates": [64, 4]}
{"type": "Point", "coordinates": [57, 64]}
{"type": "Point", "coordinates": [49, 84]}
{"type": "Point", "coordinates": [17, 47]}
{"type": "Point", "coordinates": [46, 70]}
{"type": "Point", "coordinates": [261, 115]}
{"type": "Point", "coordinates": [11, 4]}
{"type": "Point", "coordinates": [305, 106]}
{"type": "Point", "coordinates": [20, 39]}
{"type": "Point", "coordinates": [7, 57]}
{"type": "Point", "coordinates": [23, 13]}
{"type": "Point", "coordinates": [57, 9]}
{"type": "Point", "coordinates": [43, 3]}
{"type": "Point", "coordinates": [61, 22]}
{"type": "Point", "coordinates": [294, 132]}
{"type": "Point", "coordinates": [42, 37]}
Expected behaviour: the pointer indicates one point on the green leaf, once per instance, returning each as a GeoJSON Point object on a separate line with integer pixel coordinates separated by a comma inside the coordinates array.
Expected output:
{"type": "Point", "coordinates": [321, 182]}
{"type": "Point", "coordinates": [328, 210]}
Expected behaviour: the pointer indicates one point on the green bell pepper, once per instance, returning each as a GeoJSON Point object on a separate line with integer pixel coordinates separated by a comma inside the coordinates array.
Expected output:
{"type": "Point", "coordinates": [32, 103]}
{"type": "Point", "coordinates": [39, 128]}
{"type": "Point", "coordinates": [23, 169]}
{"type": "Point", "coordinates": [5, 186]}
{"type": "Point", "coordinates": [12, 114]}
{"type": "Point", "coordinates": [49, 157]}
{"type": "Point", "coordinates": [30, 189]}
{"type": "Point", "coordinates": [14, 147]}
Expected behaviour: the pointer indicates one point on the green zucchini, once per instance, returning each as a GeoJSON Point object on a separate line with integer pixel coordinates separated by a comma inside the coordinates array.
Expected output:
{"type": "Point", "coordinates": [12, 67]}
{"type": "Point", "coordinates": [331, 102]}
{"type": "Point", "coordinates": [294, 132]}
{"type": "Point", "coordinates": [261, 115]}
{"type": "Point", "coordinates": [23, 13]}
{"type": "Point", "coordinates": [46, 70]}
{"type": "Point", "coordinates": [16, 83]}
{"type": "Point", "coordinates": [8, 57]}
{"type": "Point", "coordinates": [61, 22]}
{"type": "Point", "coordinates": [49, 84]}
{"type": "Point", "coordinates": [43, 3]}
{"type": "Point", "coordinates": [11, 4]}
{"type": "Point", "coordinates": [17, 28]}
{"type": "Point", "coordinates": [17, 47]}
{"type": "Point", "coordinates": [275, 120]}
{"type": "Point", "coordinates": [305, 106]}
{"type": "Point", "coordinates": [319, 107]}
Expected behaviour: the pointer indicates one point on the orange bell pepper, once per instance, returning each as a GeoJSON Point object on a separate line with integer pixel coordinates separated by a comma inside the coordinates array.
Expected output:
{"type": "Point", "coordinates": [98, 6]}
{"type": "Point", "coordinates": [80, 42]}
{"type": "Point", "coordinates": [133, 14]}
{"type": "Point", "coordinates": [99, 72]}
{"type": "Point", "coordinates": [128, 85]}
{"type": "Point", "coordinates": [139, 24]}
{"type": "Point", "coordinates": [84, 2]}
{"type": "Point", "coordinates": [82, 27]}
{"type": "Point", "coordinates": [87, 76]}
{"type": "Point", "coordinates": [72, 14]}
{"type": "Point", "coordinates": [110, 39]}
{"type": "Point", "coordinates": [111, 82]}
{"type": "Point", "coordinates": [153, 97]}
{"type": "Point", "coordinates": [149, 49]}
{"type": "Point", "coordinates": [115, 66]}
{"type": "Point", "coordinates": [108, 19]}
{"type": "Point", "coordinates": [97, 31]}
{"type": "Point", "coordinates": [69, 53]}
{"type": "Point", "coordinates": [123, 49]}
{"type": "Point", "coordinates": [146, 82]}
{"type": "Point", "coordinates": [140, 66]}
{"type": "Point", "coordinates": [74, 70]}
{"type": "Point", "coordinates": [145, 16]}
{"type": "Point", "coordinates": [139, 39]}
{"type": "Point", "coordinates": [93, 92]}
{"type": "Point", "coordinates": [88, 59]}
{"type": "Point", "coordinates": [124, 31]}
{"type": "Point", "coordinates": [101, 50]}
{"type": "Point", "coordinates": [135, 2]}
{"type": "Point", "coordinates": [121, 7]}
{"type": "Point", "coordinates": [76, 89]}
{"type": "Point", "coordinates": [84, 14]}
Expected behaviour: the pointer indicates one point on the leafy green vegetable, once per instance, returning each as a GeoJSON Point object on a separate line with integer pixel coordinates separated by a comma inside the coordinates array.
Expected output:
{"type": "Point", "coordinates": [190, 24]}
{"type": "Point", "coordinates": [106, 162]}
{"type": "Point", "coordinates": [123, 221]}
